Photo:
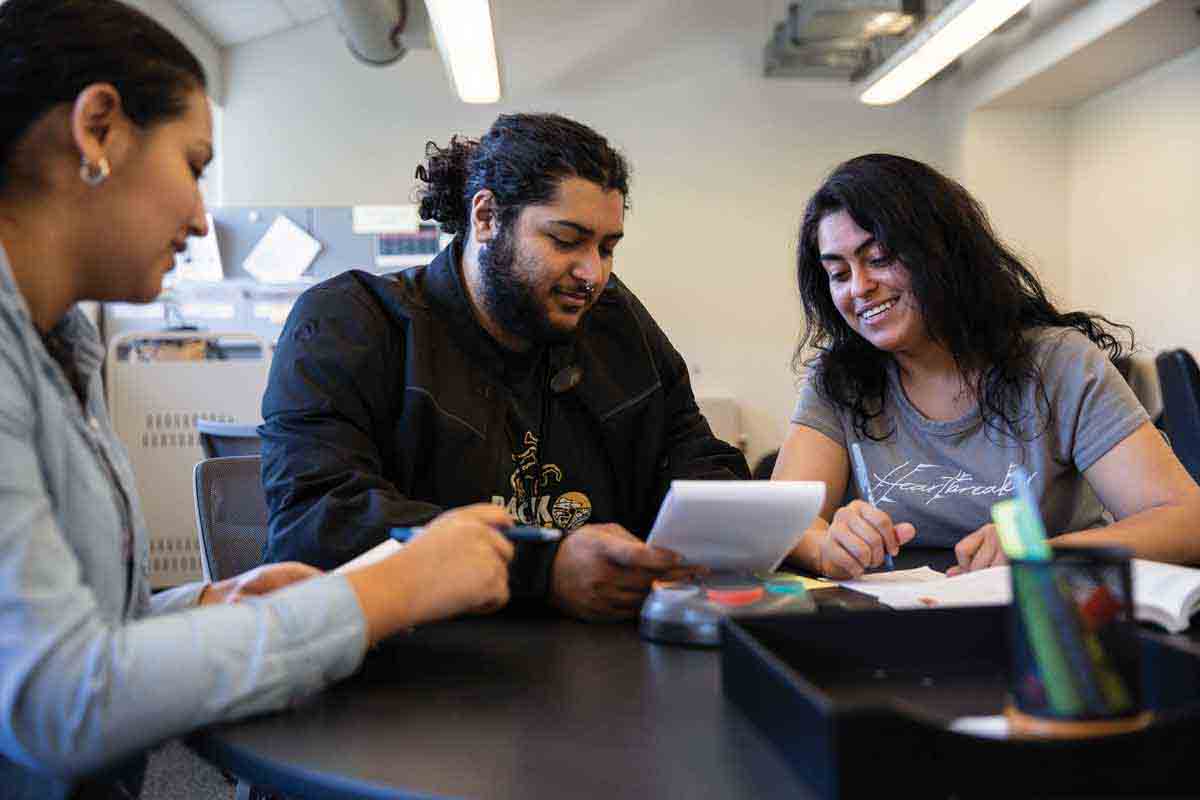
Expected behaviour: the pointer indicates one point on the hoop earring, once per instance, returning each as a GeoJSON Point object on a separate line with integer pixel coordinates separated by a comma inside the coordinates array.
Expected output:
{"type": "Point", "coordinates": [94, 174]}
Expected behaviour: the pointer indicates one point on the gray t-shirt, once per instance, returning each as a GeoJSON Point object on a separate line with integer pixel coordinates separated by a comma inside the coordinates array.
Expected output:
{"type": "Point", "coordinates": [944, 477]}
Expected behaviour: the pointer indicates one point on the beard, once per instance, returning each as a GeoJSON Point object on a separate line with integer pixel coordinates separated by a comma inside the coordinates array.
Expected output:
{"type": "Point", "coordinates": [509, 296]}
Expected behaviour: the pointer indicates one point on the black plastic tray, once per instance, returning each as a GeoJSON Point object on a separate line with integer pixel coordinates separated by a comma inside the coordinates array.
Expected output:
{"type": "Point", "coordinates": [859, 700]}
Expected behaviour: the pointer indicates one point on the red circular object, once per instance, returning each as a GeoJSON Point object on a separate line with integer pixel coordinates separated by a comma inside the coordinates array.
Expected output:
{"type": "Point", "coordinates": [735, 597]}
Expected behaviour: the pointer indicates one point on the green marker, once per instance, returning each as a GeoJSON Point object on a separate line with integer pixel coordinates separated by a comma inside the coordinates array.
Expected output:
{"type": "Point", "coordinates": [1004, 514]}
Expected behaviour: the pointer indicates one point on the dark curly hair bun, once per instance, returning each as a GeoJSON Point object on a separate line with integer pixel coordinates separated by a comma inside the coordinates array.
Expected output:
{"type": "Point", "coordinates": [444, 174]}
{"type": "Point", "coordinates": [521, 160]}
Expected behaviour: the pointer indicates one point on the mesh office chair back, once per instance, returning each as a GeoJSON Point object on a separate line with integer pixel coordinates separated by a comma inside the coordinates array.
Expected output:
{"type": "Point", "coordinates": [1180, 381]}
{"type": "Point", "coordinates": [227, 438]}
{"type": "Point", "coordinates": [231, 514]}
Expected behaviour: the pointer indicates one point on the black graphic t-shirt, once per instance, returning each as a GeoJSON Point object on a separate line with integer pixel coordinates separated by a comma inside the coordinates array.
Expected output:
{"type": "Point", "coordinates": [557, 474]}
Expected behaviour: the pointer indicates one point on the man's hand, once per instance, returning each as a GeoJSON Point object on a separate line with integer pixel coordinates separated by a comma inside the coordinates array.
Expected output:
{"type": "Point", "coordinates": [603, 572]}
{"type": "Point", "coordinates": [260, 580]}
{"type": "Point", "coordinates": [978, 550]}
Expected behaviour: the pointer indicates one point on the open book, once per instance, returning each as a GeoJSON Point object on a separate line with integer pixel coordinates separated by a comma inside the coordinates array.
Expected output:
{"type": "Point", "coordinates": [1164, 594]}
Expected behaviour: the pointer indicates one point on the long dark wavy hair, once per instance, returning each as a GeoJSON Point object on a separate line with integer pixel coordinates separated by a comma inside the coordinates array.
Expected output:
{"type": "Point", "coordinates": [977, 298]}
{"type": "Point", "coordinates": [521, 159]}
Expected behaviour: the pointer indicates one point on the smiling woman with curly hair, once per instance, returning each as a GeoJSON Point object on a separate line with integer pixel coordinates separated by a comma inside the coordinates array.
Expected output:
{"type": "Point", "coordinates": [938, 351]}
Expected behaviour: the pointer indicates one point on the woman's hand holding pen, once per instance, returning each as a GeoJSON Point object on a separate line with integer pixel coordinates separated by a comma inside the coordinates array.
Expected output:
{"type": "Point", "coordinates": [857, 539]}
{"type": "Point", "coordinates": [457, 564]}
{"type": "Point", "coordinates": [978, 550]}
{"type": "Point", "coordinates": [463, 558]}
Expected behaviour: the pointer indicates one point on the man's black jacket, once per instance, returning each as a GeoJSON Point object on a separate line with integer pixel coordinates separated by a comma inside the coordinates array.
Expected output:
{"type": "Point", "coordinates": [386, 404]}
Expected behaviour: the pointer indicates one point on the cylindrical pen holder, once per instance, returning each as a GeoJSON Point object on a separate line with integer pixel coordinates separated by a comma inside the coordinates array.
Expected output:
{"type": "Point", "coordinates": [1075, 659]}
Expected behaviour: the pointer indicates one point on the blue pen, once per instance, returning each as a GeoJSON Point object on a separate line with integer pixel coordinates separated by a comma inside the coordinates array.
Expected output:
{"type": "Point", "coordinates": [520, 533]}
{"type": "Point", "coordinates": [864, 480]}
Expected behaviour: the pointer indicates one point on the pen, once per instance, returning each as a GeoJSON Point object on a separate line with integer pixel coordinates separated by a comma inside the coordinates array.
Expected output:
{"type": "Point", "coordinates": [520, 533]}
{"type": "Point", "coordinates": [864, 480]}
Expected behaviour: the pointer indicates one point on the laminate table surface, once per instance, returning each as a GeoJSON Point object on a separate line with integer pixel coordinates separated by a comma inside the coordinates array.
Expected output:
{"type": "Point", "coordinates": [520, 707]}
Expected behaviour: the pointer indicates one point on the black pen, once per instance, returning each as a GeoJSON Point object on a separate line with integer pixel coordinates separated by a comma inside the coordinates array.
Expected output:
{"type": "Point", "coordinates": [520, 533]}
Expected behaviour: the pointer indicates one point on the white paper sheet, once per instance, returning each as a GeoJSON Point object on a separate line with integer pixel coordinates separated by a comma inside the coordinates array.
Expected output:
{"type": "Point", "coordinates": [283, 253]}
{"type": "Point", "coordinates": [377, 553]}
{"type": "Point", "coordinates": [744, 526]}
{"type": "Point", "coordinates": [902, 576]}
{"type": "Point", "coordinates": [989, 727]}
{"type": "Point", "coordinates": [1152, 600]}
{"type": "Point", "coordinates": [385, 219]}
{"type": "Point", "coordinates": [928, 588]}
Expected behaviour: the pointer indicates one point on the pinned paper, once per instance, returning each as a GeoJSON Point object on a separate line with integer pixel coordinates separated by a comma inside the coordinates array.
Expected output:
{"type": "Point", "coordinates": [385, 219]}
{"type": "Point", "coordinates": [283, 253]}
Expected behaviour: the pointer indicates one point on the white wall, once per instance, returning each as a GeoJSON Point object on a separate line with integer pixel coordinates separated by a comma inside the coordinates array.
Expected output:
{"type": "Point", "coordinates": [210, 57]}
{"type": "Point", "coordinates": [1015, 162]}
{"type": "Point", "coordinates": [1044, 37]}
{"type": "Point", "coordinates": [1099, 195]}
{"type": "Point", "coordinates": [206, 51]}
{"type": "Point", "coordinates": [1134, 195]}
{"type": "Point", "coordinates": [1007, 107]}
{"type": "Point", "coordinates": [723, 159]}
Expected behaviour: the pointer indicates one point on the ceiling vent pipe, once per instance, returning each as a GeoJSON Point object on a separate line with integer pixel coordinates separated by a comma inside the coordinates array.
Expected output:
{"type": "Point", "coordinates": [839, 38]}
{"type": "Point", "coordinates": [380, 32]}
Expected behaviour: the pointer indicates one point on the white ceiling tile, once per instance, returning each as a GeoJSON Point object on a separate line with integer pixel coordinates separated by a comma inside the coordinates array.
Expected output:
{"type": "Point", "coordinates": [303, 11]}
{"type": "Point", "coordinates": [232, 22]}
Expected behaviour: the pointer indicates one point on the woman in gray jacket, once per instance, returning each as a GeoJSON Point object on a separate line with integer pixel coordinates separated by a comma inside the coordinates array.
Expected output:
{"type": "Point", "coordinates": [105, 133]}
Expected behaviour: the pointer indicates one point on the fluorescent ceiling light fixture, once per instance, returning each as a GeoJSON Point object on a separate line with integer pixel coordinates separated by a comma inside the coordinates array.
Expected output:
{"type": "Point", "coordinates": [463, 29]}
{"type": "Point", "coordinates": [958, 28]}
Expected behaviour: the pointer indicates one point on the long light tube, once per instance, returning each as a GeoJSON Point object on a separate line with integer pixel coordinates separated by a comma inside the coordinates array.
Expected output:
{"type": "Point", "coordinates": [958, 28]}
{"type": "Point", "coordinates": [465, 39]}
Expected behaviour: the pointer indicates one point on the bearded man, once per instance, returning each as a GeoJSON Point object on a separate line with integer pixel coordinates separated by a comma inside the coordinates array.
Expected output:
{"type": "Point", "coordinates": [514, 368]}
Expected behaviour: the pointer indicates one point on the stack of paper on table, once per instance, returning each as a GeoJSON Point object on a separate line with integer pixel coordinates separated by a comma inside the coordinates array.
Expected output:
{"type": "Point", "coordinates": [928, 588]}
{"type": "Point", "coordinates": [1164, 594]}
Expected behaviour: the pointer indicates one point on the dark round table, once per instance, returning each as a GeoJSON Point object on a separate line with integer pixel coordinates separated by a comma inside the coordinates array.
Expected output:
{"type": "Point", "coordinates": [519, 707]}
{"type": "Point", "coordinates": [509, 707]}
